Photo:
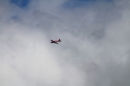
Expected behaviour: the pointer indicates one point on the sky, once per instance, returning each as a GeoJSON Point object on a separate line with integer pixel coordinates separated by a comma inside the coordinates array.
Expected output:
{"type": "Point", "coordinates": [95, 47]}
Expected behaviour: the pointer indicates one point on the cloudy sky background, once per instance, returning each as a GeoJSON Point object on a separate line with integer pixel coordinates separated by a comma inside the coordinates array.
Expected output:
{"type": "Point", "coordinates": [95, 47]}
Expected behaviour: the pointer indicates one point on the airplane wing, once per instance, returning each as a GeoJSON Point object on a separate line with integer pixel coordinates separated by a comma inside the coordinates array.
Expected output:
{"type": "Point", "coordinates": [56, 43]}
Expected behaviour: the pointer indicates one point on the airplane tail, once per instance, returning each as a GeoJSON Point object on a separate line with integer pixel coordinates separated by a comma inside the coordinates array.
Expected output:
{"type": "Point", "coordinates": [59, 40]}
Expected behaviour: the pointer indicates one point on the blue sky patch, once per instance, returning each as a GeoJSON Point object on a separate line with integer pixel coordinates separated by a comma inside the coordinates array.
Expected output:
{"type": "Point", "coordinates": [79, 3]}
{"type": "Point", "coordinates": [20, 3]}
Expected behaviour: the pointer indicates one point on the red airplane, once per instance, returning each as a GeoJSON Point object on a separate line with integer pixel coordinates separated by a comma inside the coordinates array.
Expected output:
{"type": "Point", "coordinates": [55, 41]}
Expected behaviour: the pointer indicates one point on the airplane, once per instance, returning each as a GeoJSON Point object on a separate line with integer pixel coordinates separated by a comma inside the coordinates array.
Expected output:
{"type": "Point", "coordinates": [55, 41]}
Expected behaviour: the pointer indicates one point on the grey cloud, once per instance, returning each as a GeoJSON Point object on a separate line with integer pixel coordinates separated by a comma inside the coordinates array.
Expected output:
{"type": "Point", "coordinates": [94, 50]}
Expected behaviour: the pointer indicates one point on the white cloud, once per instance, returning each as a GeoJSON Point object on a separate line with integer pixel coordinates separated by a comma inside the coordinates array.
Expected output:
{"type": "Point", "coordinates": [94, 50]}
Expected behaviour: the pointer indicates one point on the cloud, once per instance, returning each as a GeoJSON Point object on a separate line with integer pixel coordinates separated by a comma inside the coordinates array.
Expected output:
{"type": "Point", "coordinates": [94, 50]}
